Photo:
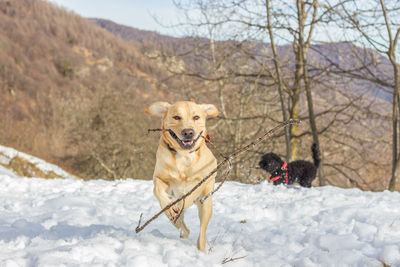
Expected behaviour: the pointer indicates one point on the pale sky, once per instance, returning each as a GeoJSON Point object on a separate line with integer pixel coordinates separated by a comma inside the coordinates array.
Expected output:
{"type": "Point", "coordinates": [135, 13]}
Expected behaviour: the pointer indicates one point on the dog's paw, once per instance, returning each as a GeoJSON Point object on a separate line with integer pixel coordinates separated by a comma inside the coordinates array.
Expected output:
{"type": "Point", "coordinates": [184, 233]}
{"type": "Point", "coordinates": [174, 212]}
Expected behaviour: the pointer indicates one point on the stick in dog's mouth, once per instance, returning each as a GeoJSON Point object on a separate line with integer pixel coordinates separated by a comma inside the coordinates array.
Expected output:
{"type": "Point", "coordinates": [187, 143]}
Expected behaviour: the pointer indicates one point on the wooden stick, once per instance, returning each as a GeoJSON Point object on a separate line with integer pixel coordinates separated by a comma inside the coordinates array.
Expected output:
{"type": "Point", "coordinates": [224, 162]}
{"type": "Point", "coordinates": [156, 130]}
{"type": "Point", "coordinates": [245, 148]}
{"type": "Point", "coordinates": [220, 184]}
{"type": "Point", "coordinates": [140, 228]}
{"type": "Point", "coordinates": [208, 141]}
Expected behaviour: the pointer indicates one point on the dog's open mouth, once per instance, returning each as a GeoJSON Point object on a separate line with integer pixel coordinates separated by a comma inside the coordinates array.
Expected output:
{"type": "Point", "coordinates": [185, 143]}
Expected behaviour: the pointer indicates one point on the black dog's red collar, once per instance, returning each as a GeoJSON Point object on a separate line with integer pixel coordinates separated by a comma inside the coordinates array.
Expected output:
{"type": "Point", "coordinates": [285, 173]}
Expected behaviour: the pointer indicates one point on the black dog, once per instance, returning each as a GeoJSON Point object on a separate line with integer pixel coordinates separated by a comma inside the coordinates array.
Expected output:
{"type": "Point", "coordinates": [300, 171]}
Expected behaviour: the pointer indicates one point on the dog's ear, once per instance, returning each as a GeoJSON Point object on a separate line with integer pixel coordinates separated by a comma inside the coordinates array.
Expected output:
{"type": "Point", "coordinates": [209, 109]}
{"type": "Point", "coordinates": [157, 108]}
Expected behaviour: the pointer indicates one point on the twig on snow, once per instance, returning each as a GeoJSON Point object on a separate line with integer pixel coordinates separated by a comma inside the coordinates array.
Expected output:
{"type": "Point", "coordinates": [226, 260]}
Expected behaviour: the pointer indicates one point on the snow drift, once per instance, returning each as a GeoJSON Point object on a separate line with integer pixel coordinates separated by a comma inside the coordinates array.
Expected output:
{"type": "Point", "coordinates": [22, 164]}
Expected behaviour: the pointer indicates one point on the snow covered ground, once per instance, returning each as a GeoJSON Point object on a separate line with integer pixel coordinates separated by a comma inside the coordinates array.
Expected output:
{"type": "Point", "coordinates": [70, 222]}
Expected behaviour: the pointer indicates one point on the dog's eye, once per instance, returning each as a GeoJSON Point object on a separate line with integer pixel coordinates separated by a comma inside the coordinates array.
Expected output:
{"type": "Point", "coordinates": [196, 118]}
{"type": "Point", "coordinates": [178, 118]}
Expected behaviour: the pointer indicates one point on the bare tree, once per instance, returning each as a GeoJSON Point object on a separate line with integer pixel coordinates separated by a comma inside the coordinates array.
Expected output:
{"type": "Point", "coordinates": [303, 45]}
{"type": "Point", "coordinates": [377, 25]}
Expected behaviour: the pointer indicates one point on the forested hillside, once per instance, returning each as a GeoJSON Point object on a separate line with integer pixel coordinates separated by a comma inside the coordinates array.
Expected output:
{"type": "Point", "coordinates": [73, 93]}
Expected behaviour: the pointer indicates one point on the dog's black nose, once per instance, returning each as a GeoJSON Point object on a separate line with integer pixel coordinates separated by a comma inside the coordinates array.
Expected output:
{"type": "Point", "coordinates": [188, 133]}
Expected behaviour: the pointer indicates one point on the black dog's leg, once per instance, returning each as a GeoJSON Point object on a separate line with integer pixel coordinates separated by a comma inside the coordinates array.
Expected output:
{"type": "Point", "coordinates": [279, 181]}
{"type": "Point", "coordinates": [305, 183]}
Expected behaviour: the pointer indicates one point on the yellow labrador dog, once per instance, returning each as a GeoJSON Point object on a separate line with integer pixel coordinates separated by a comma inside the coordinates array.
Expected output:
{"type": "Point", "coordinates": [183, 159]}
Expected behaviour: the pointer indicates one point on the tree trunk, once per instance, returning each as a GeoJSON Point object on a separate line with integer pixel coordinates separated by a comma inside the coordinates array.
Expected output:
{"type": "Point", "coordinates": [295, 98]}
{"type": "Point", "coordinates": [395, 108]}
{"type": "Point", "coordinates": [278, 78]}
{"type": "Point", "coordinates": [303, 48]}
{"type": "Point", "coordinates": [395, 123]}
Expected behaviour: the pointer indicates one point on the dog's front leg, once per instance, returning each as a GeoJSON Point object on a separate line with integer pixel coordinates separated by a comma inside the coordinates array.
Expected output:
{"type": "Point", "coordinates": [160, 191]}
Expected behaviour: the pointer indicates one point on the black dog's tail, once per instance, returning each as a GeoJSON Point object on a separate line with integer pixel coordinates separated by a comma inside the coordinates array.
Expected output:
{"type": "Point", "coordinates": [315, 155]}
